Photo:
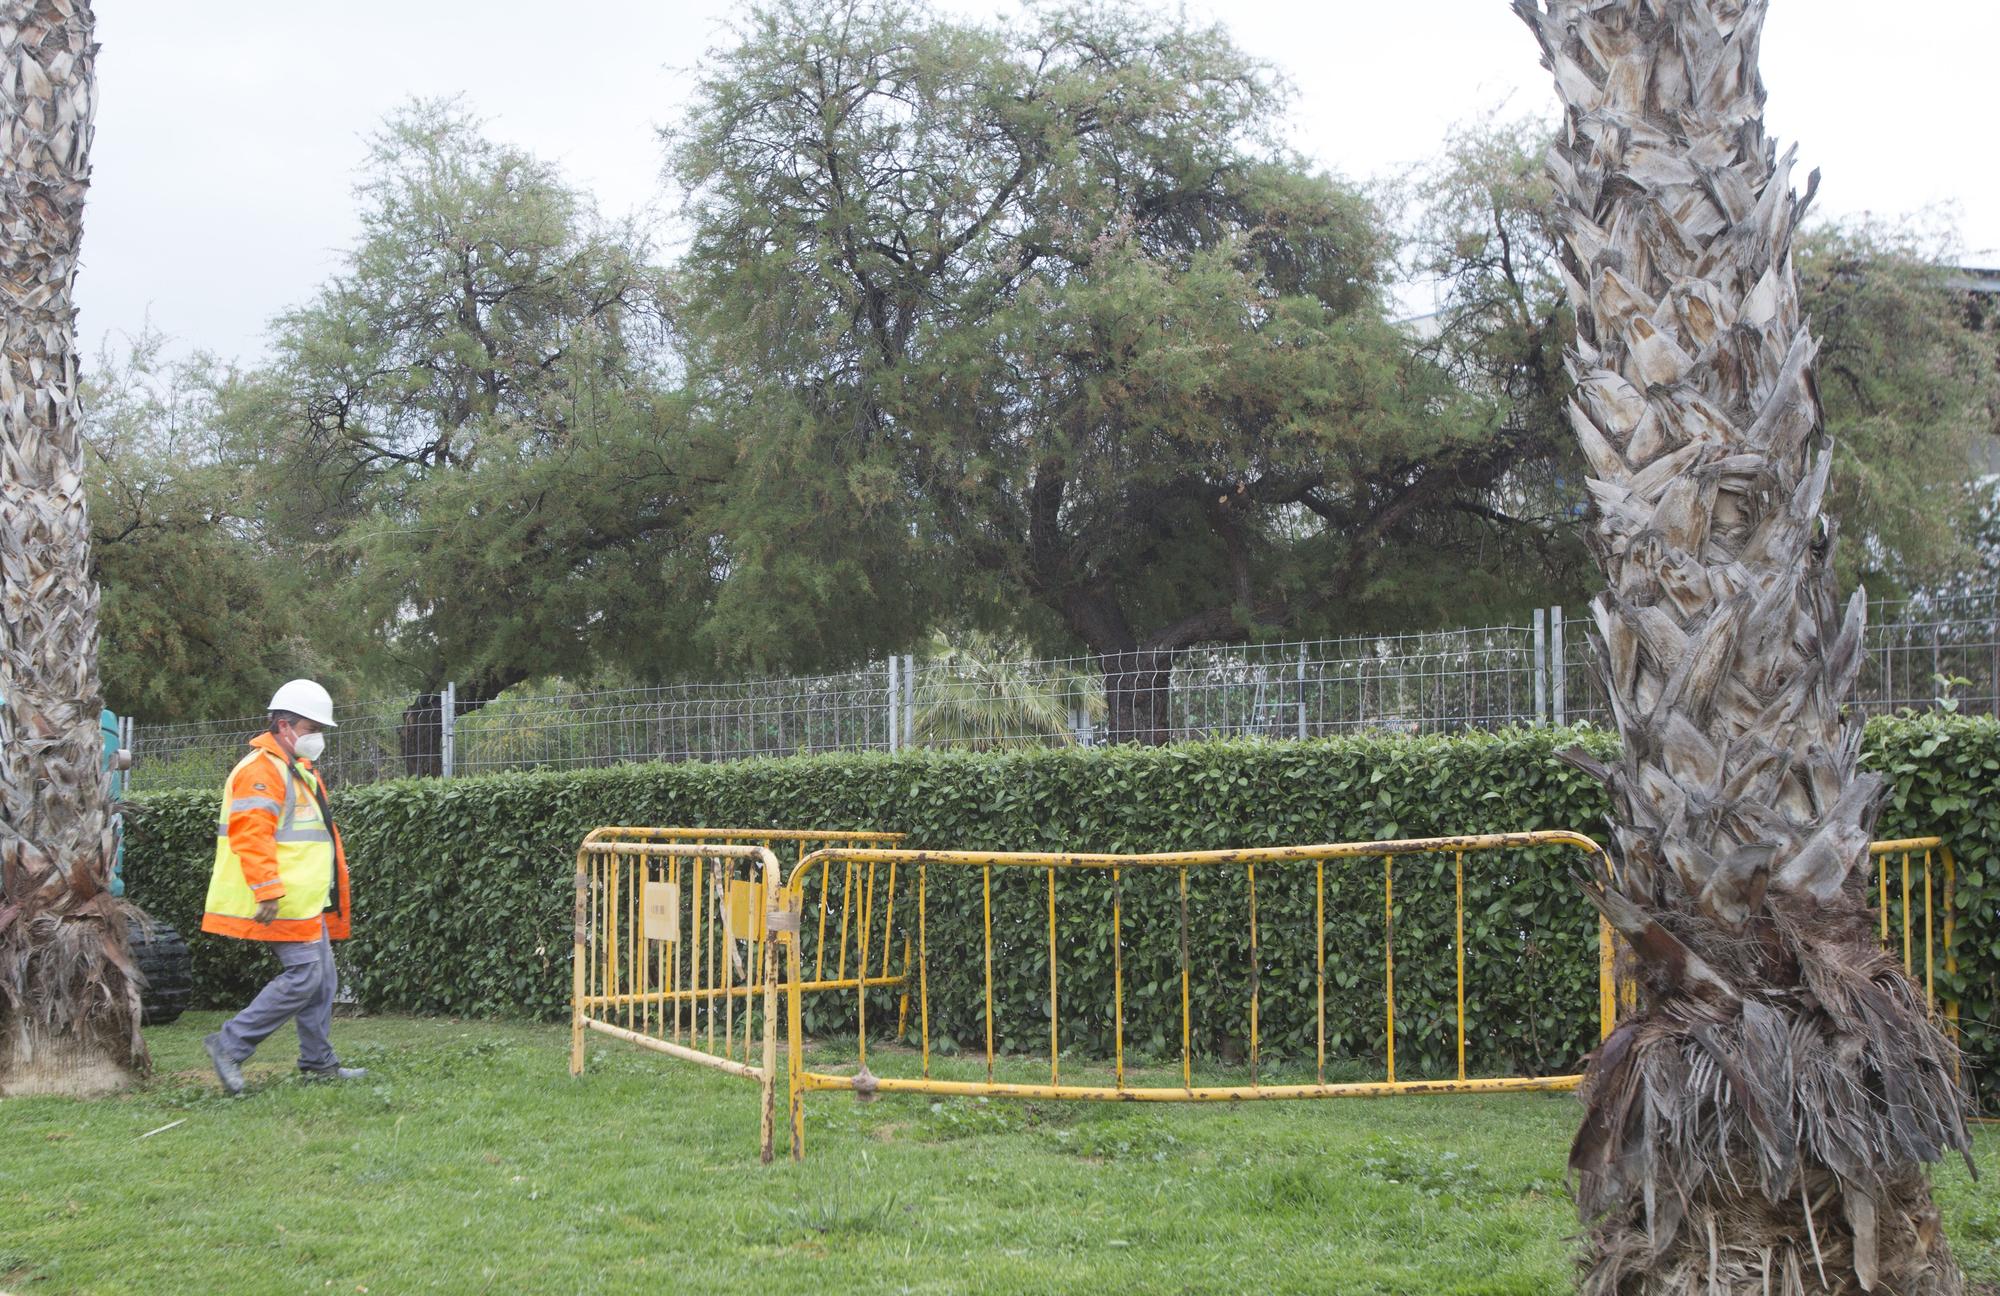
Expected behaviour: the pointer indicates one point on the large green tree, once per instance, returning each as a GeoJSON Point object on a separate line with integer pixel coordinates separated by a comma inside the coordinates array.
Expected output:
{"type": "Point", "coordinates": [1030, 326]}
{"type": "Point", "coordinates": [468, 435]}
{"type": "Point", "coordinates": [199, 619]}
{"type": "Point", "coordinates": [1910, 379]}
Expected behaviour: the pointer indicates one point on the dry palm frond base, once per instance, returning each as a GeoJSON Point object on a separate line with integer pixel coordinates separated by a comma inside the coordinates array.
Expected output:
{"type": "Point", "coordinates": [1772, 1143]}
{"type": "Point", "coordinates": [69, 1003]}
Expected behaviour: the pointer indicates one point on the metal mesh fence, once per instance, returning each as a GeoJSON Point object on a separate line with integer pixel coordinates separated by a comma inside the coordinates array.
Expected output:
{"type": "Point", "coordinates": [1431, 682]}
{"type": "Point", "coordinates": [1454, 679]}
{"type": "Point", "coordinates": [1925, 649]}
{"type": "Point", "coordinates": [703, 722]}
{"type": "Point", "coordinates": [541, 728]}
{"type": "Point", "coordinates": [366, 748]}
{"type": "Point", "coordinates": [1582, 694]}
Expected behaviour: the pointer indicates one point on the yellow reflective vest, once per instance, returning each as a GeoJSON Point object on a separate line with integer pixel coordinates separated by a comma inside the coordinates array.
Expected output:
{"type": "Point", "coordinates": [274, 841]}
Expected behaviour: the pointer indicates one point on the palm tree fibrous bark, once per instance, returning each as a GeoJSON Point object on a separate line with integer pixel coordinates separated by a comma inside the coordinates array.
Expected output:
{"type": "Point", "coordinates": [69, 1002]}
{"type": "Point", "coordinates": [1763, 1123]}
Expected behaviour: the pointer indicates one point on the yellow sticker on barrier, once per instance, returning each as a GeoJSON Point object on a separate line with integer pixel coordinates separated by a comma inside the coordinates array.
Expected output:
{"type": "Point", "coordinates": [741, 906]}
{"type": "Point", "coordinates": [663, 911]}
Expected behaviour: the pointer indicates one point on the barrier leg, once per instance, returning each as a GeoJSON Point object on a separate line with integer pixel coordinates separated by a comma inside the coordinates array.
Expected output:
{"type": "Point", "coordinates": [581, 933]}
{"type": "Point", "coordinates": [794, 1050]}
{"type": "Point", "coordinates": [768, 1084]}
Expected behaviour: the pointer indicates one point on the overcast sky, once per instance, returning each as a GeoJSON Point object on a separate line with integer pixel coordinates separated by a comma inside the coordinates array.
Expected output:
{"type": "Point", "coordinates": [228, 131]}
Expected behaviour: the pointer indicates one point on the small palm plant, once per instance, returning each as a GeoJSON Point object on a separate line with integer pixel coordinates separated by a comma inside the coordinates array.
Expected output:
{"type": "Point", "coordinates": [986, 693]}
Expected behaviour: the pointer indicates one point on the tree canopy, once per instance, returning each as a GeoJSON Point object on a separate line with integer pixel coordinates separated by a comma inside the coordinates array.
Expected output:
{"type": "Point", "coordinates": [196, 618]}
{"type": "Point", "coordinates": [1028, 330]}
{"type": "Point", "coordinates": [1032, 326]}
{"type": "Point", "coordinates": [469, 433]}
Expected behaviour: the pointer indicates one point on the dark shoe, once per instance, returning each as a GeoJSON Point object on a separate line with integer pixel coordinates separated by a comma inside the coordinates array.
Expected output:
{"type": "Point", "coordinates": [227, 1071]}
{"type": "Point", "coordinates": [332, 1073]}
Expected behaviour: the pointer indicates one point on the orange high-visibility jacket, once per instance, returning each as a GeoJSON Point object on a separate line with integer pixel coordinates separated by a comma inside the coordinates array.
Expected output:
{"type": "Point", "coordinates": [273, 843]}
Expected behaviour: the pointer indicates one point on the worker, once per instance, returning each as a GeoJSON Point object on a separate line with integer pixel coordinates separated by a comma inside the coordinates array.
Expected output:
{"type": "Point", "coordinates": [281, 877]}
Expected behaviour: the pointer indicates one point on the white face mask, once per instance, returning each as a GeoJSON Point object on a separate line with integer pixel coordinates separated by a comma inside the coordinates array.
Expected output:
{"type": "Point", "coordinates": [309, 746]}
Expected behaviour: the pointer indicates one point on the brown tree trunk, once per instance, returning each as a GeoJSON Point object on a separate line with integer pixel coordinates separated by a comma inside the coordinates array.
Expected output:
{"type": "Point", "coordinates": [1137, 672]}
{"type": "Point", "coordinates": [1763, 1123]}
{"type": "Point", "coordinates": [1136, 697]}
{"type": "Point", "coordinates": [420, 734]}
{"type": "Point", "coordinates": [69, 996]}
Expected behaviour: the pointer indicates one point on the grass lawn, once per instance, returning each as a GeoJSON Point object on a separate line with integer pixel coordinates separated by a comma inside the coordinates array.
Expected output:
{"type": "Point", "coordinates": [469, 1161]}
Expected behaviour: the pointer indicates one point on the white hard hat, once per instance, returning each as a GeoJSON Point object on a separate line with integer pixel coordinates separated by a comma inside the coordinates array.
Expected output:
{"type": "Point", "coordinates": [302, 697]}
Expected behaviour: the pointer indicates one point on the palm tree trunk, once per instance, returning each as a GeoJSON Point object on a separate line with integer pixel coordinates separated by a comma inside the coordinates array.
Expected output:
{"type": "Point", "coordinates": [1762, 1125]}
{"type": "Point", "coordinates": [69, 998]}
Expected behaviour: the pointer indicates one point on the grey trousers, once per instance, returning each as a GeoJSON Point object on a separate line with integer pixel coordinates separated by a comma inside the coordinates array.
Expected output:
{"type": "Point", "coordinates": [302, 992]}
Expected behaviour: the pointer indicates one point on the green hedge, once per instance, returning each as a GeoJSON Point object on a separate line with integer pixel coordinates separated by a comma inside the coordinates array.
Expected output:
{"type": "Point", "coordinates": [462, 888]}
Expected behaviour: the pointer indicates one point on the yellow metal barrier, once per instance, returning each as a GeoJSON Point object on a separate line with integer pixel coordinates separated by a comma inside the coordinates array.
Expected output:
{"type": "Point", "coordinates": [819, 864]}
{"type": "Point", "coordinates": [675, 926]}
{"type": "Point", "coordinates": [1943, 890]}
{"type": "Point", "coordinates": [671, 933]}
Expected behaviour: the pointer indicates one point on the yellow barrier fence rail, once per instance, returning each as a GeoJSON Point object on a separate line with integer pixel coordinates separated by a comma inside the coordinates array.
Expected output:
{"type": "Point", "coordinates": [672, 934]}
{"type": "Point", "coordinates": [1931, 856]}
{"type": "Point", "coordinates": [817, 866]}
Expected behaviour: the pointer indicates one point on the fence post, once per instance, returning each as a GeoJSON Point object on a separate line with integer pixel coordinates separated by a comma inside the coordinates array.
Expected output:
{"type": "Point", "coordinates": [1541, 666]}
{"type": "Point", "coordinates": [125, 740]}
{"type": "Point", "coordinates": [448, 729]}
{"type": "Point", "coordinates": [909, 700]}
{"type": "Point", "coordinates": [1302, 692]}
{"type": "Point", "coordinates": [894, 731]}
{"type": "Point", "coordinates": [1558, 668]}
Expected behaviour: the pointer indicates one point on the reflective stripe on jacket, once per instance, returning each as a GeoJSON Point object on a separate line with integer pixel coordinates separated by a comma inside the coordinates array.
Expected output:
{"type": "Point", "coordinates": [273, 842]}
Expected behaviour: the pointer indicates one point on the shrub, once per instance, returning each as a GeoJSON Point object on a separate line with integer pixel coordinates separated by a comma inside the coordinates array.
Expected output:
{"type": "Point", "coordinates": [463, 888]}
